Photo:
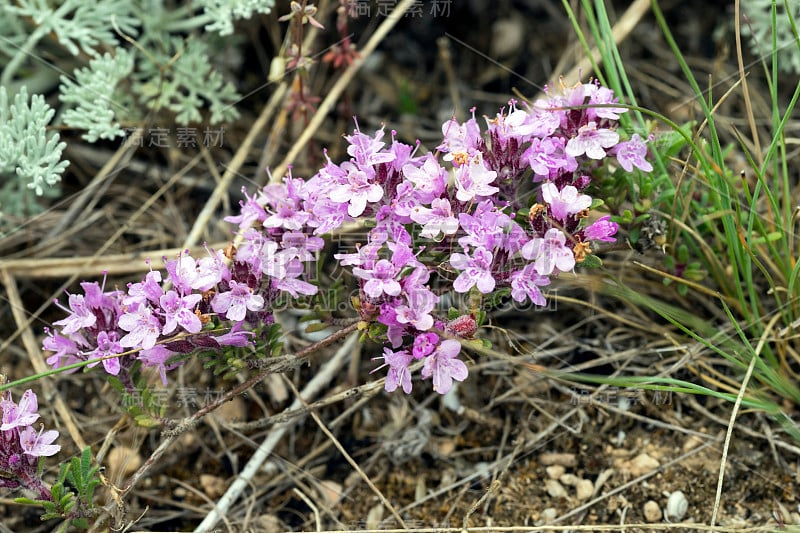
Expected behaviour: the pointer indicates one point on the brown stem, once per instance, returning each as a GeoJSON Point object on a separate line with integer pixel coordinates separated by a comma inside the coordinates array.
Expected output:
{"type": "Point", "coordinates": [275, 365]}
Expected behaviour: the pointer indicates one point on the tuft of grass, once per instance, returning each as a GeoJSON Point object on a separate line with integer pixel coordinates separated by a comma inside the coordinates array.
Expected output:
{"type": "Point", "coordinates": [729, 250]}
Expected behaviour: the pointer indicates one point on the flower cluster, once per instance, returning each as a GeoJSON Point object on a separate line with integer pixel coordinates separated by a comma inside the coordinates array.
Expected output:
{"type": "Point", "coordinates": [153, 322]}
{"type": "Point", "coordinates": [21, 445]}
{"type": "Point", "coordinates": [495, 212]}
{"type": "Point", "coordinates": [503, 209]}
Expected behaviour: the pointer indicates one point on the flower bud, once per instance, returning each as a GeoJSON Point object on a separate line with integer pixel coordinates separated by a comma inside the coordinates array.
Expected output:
{"type": "Point", "coordinates": [464, 326]}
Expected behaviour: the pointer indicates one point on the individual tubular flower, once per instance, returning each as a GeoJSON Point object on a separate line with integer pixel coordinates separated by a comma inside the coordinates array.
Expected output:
{"type": "Point", "coordinates": [21, 445]}
{"type": "Point", "coordinates": [475, 270]}
{"type": "Point", "coordinates": [437, 220]}
{"type": "Point", "coordinates": [473, 180]}
{"type": "Point", "coordinates": [591, 141]}
{"type": "Point", "coordinates": [444, 366]}
{"type": "Point", "coordinates": [632, 153]}
{"type": "Point", "coordinates": [235, 302]}
{"type": "Point", "coordinates": [380, 279]}
{"type": "Point", "coordinates": [549, 253]}
{"type": "Point", "coordinates": [602, 229]}
{"type": "Point", "coordinates": [565, 202]}
{"type": "Point", "coordinates": [525, 284]}
{"type": "Point", "coordinates": [399, 374]}
{"type": "Point", "coordinates": [143, 327]}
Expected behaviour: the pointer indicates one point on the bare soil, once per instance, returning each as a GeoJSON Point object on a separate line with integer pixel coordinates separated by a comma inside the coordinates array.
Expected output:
{"type": "Point", "coordinates": [513, 447]}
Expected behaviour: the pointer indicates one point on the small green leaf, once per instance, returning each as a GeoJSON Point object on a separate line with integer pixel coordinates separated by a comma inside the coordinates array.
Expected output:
{"type": "Point", "coordinates": [146, 421]}
{"type": "Point", "coordinates": [317, 326]}
{"type": "Point", "coordinates": [591, 261]}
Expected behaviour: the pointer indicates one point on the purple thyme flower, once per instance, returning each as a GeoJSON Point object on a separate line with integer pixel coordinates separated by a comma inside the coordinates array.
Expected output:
{"type": "Point", "coordinates": [525, 283]}
{"type": "Point", "coordinates": [108, 347]}
{"type": "Point", "coordinates": [81, 316]}
{"type": "Point", "coordinates": [380, 279]}
{"type": "Point", "coordinates": [19, 415]}
{"type": "Point", "coordinates": [602, 96]}
{"type": "Point", "coordinates": [399, 374]}
{"type": "Point", "coordinates": [38, 444]}
{"type": "Point", "coordinates": [298, 244]}
{"type": "Point", "coordinates": [424, 345]}
{"type": "Point", "coordinates": [545, 156]}
{"type": "Point", "coordinates": [459, 138]}
{"type": "Point", "coordinates": [429, 180]}
{"type": "Point", "coordinates": [357, 191]}
{"type": "Point", "coordinates": [565, 202]}
{"type": "Point", "coordinates": [157, 356]}
{"type": "Point", "coordinates": [418, 311]}
{"type": "Point", "coordinates": [287, 215]}
{"type": "Point", "coordinates": [602, 229]}
{"type": "Point", "coordinates": [516, 125]}
{"type": "Point", "coordinates": [367, 151]}
{"type": "Point", "coordinates": [438, 219]}
{"type": "Point", "coordinates": [179, 310]}
{"type": "Point", "coordinates": [484, 228]}
{"type": "Point", "coordinates": [235, 337]}
{"type": "Point", "coordinates": [143, 326]}
{"type": "Point", "coordinates": [475, 270]}
{"type": "Point", "coordinates": [148, 290]}
{"type": "Point", "coordinates": [473, 180]}
{"type": "Point", "coordinates": [252, 210]}
{"type": "Point", "coordinates": [237, 301]}
{"type": "Point", "coordinates": [549, 253]}
{"type": "Point", "coordinates": [632, 154]}
{"type": "Point", "coordinates": [65, 349]}
{"type": "Point", "coordinates": [591, 141]}
{"type": "Point", "coordinates": [444, 366]}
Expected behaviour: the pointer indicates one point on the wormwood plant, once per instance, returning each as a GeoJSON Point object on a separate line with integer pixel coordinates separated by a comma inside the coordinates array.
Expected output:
{"type": "Point", "coordinates": [106, 85]}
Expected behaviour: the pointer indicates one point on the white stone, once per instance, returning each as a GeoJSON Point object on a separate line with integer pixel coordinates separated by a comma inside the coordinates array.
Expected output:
{"type": "Point", "coordinates": [677, 505]}
{"type": "Point", "coordinates": [555, 489]}
{"type": "Point", "coordinates": [584, 489]}
{"type": "Point", "coordinates": [555, 471]}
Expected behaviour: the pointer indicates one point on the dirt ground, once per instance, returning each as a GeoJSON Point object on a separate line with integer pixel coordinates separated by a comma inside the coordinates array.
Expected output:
{"type": "Point", "coordinates": [512, 447]}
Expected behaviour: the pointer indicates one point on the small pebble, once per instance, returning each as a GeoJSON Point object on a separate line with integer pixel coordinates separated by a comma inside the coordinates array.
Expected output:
{"type": "Point", "coordinates": [555, 489]}
{"type": "Point", "coordinates": [508, 37]}
{"type": "Point", "coordinates": [652, 512]}
{"type": "Point", "coordinates": [692, 442]}
{"type": "Point", "coordinates": [122, 462]}
{"type": "Point", "coordinates": [213, 486]}
{"type": "Point", "coordinates": [677, 505]}
{"type": "Point", "coordinates": [234, 410]}
{"type": "Point", "coordinates": [584, 489]}
{"type": "Point", "coordinates": [642, 464]}
{"type": "Point", "coordinates": [555, 471]}
{"type": "Point", "coordinates": [549, 514]}
{"type": "Point", "coordinates": [563, 459]}
{"type": "Point", "coordinates": [569, 479]}
{"type": "Point", "coordinates": [331, 491]}
{"type": "Point", "coordinates": [268, 523]}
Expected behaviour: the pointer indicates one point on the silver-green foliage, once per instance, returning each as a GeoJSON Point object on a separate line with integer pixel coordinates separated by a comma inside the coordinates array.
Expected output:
{"type": "Point", "coordinates": [224, 12]}
{"type": "Point", "coordinates": [189, 85]}
{"type": "Point", "coordinates": [78, 25]}
{"type": "Point", "coordinates": [170, 68]}
{"type": "Point", "coordinates": [759, 26]}
{"type": "Point", "coordinates": [91, 96]}
{"type": "Point", "coordinates": [27, 150]}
